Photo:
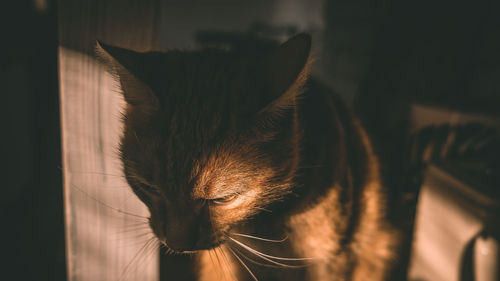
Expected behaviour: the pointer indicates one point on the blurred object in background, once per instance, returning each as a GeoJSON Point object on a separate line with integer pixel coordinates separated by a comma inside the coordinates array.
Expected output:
{"type": "Point", "coordinates": [457, 224]}
{"type": "Point", "coordinates": [486, 258]}
{"type": "Point", "coordinates": [456, 229]}
{"type": "Point", "coordinates": [438, 53]}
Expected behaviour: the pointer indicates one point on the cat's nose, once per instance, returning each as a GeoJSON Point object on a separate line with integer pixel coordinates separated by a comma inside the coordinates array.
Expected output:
{"type": "Point", "coordinates": [184, 227]}
{"type": "Point", "coordinates": [181, 235]}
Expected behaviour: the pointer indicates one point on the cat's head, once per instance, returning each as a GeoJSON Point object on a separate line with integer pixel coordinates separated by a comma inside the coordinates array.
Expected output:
{"type": "Point", "coordinates": [211, 137]}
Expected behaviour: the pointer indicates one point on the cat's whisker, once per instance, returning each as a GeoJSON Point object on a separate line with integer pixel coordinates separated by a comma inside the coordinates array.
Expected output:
{"type": "Point", "coordinates": [221, 264]}
{"type": "Point", "coordinates": [151, 249]}
{"type": "Point", "coordinates": [226, 263]}
{"type": "Point", "coordinates": [259, 254]}
{"type": "Point", "coordinates": [138, 225]}
{"type": "Point", "coordinates": [133, 234]}
{"type": "Point", "coordinates": [148, 251]}
{"type": "Point", "coordinates": [279, 264]}
{"type": "Point", "coordinates": [108, 206]}
{"type": "Point", "coordinates": [260, 238]}
{"type": "Point", "coordinates": [228, 267]}
{"type": "Point", "coordinates": [130, 233]}
{"type": "Point", "coordinates": [210, 255]}
{"type": "Point", "coordinates": [135, 243]}
{"type": "Point", "coordinates": [96, 173]}
{"type": "Point", "coordinates": [266, 255]}
{"type": "Point", "coordinates": [132, 228]}
{"type": "Point", "coordinates": [211, 258]}
{"type": "Point", "coordinates": [270, 258]}
{"type": "Point", "coordinates": [254, 261]}
{"type": "Point", "coordinates": [244, 265]}
{"type": "Point", "coordinates": [222, 273]}
{"type": "Point", "coordinates": [141, 258]}
{"type": "Point", "coordinates": [218, 260]}
{"type": "Point", "coordinates": [137, 254]}
{"type": "Point", "coordinates": [132, 237]}
{"type": "Point", "coordinates": [116, 187]}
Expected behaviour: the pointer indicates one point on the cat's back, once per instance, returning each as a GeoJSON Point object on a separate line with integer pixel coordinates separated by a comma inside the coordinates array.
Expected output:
{"type": "Point", "coordinates": [345, 224]}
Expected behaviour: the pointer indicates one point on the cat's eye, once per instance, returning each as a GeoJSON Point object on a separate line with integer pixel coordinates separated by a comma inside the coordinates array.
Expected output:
{"type": "Point", "coordinates": [225, 199]}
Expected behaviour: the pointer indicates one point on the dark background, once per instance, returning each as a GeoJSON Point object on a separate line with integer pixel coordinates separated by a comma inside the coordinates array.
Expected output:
{"type": "Point", "coordinates": [381, 56]}
{"type": "Point", "coordinates": [31, 196]}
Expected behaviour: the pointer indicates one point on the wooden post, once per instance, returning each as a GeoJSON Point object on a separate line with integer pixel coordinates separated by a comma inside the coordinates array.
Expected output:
{"type": "Point", "coordinates": [106, 225]}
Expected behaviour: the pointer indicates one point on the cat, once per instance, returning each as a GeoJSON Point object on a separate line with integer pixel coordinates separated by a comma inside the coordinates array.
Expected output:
{"type": "Point", "coordinates": [250, 165]}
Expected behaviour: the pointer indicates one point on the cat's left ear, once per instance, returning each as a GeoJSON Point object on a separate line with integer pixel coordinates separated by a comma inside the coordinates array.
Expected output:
{"type": "Point", "coordinates": [288, 70]}
{"type": "Point", "coordinates": [133, 71]}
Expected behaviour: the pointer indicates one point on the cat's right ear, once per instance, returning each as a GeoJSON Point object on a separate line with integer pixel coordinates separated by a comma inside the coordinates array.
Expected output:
{"type": "Point", "coordinates": [286, 70]}
{"type": "Point", "coordinates": [132, 70]}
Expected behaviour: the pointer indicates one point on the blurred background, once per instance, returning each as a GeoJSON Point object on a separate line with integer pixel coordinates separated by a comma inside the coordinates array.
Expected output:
{"type": "Point", "coordinates": [401, 65]}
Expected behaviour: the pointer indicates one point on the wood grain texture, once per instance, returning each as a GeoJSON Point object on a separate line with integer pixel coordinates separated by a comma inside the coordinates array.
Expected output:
{"type": "Point", "coordinates": [103, 242]}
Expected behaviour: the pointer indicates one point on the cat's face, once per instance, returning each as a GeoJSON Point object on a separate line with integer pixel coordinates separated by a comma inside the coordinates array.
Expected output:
{"type": "Point", "coordinates": [210, 137]}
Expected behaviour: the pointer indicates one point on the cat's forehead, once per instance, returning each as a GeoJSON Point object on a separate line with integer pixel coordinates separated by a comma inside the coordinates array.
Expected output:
{"type": "Point", "coordinates": [204, 94]}
{"type": "Point", "coordinates": [205, 75]}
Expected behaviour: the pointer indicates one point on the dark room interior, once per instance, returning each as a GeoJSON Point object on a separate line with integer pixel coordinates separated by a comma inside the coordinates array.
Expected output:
{"type": "Point", "coordinates": [419, 76]}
